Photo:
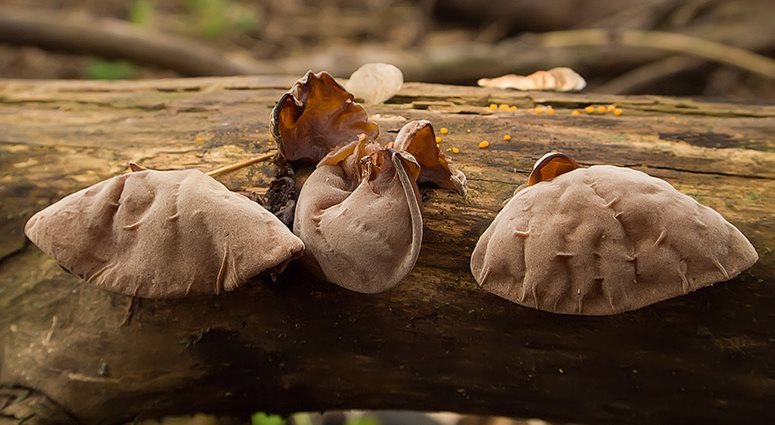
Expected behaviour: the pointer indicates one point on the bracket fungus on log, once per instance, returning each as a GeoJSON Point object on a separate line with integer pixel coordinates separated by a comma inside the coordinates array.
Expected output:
{"type": "Point", "coordinates": [163, 234]}
{"type": "Point", "coordinates": [604, 240]}
{"type": "Point", "coordinates": [558, 79]}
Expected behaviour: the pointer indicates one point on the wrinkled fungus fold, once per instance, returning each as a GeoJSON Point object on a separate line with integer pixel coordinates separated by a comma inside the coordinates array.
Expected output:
{"type": "Point", "coordinates": [359, 215]}
{"type": "Point", "coordinates": [358, 212]}
{"type": "Point", "coordinates": [315, 116]}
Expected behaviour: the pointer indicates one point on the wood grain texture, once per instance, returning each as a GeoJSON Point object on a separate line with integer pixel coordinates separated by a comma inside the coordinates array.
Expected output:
{"type": "Point", "coordinates": [435, 342]}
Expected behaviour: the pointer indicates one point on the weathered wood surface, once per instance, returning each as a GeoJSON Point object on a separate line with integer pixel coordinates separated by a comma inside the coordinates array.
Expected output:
{"type": "Point", "coordinates": [436, 342]}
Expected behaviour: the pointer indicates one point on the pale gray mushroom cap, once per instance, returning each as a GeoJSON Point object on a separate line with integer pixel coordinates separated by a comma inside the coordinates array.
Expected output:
{"type": "Point", "coordinates": [359, 216]}
{"type": "Point", "coordinates": [163, 234]}
{"type": "Point", "coordinates": [604, 240]}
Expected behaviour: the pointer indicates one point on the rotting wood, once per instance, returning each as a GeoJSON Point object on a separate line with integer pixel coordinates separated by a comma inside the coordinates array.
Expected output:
{"type": "Point", "coordinates": [435, 342]}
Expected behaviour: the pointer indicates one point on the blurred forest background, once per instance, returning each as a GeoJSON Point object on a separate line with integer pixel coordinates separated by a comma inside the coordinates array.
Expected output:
{"type": "Point", "coordinates": [452, 41]}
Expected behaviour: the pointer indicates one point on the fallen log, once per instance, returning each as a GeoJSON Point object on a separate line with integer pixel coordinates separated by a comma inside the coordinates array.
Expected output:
{"type": "Point", "coordinates": [435, 342]}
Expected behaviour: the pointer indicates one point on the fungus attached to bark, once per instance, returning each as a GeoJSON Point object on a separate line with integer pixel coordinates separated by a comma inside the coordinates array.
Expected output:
{"type": "Point", "coordinates": [549, 166]}
{"type": "Point", "coordinates": [163, 234]}
{"type": "Point", "coordinates": [359, 217]}
{"type": "Point", "coordinates": [418, 138]}
{"type": "Point", "coordinates": [358, 212]}
{"type": "Point", "coordinates": [316, 116]}
{"type": "Point", "coordinates": [558, 79]}
{"type": "Point", "coordinates": [604, 240]}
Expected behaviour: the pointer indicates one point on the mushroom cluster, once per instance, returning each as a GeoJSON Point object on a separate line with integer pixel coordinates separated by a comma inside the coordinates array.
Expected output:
{"type": "Point", "coordinates": [166, 234]}
{"type": "Point", "coordinates": [358, 212]}
{"type": "Point", "coordinates": [593, 241]}
{"type": "Point", "coordinates": [604, 240]}
{"type": "Point", "coordinates": [163, 234]}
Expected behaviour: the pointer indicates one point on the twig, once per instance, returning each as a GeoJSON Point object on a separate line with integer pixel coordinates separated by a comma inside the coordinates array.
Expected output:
{"type": "Point", "coordinates": [649, 73]}
{"type": "Point", "coordinates": [82, 377]}
{"type": "Point", "coordinates": [50, 333]}
{"type": "Point", "coordinates": [113, 38]}
{"type": "Point", "coordinates": [680, 43]}
{"type": "Point", "coordinates": [241, 164]}
{"type": "Point", "coordinates": [706, 49]}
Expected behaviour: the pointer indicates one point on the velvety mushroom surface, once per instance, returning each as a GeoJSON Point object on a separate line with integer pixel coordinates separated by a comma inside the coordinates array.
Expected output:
{"type": "Point", "coordinates": [604, 240]}
{"type": "Point", "coordinates": [163, 234]}
{"type": "Point", "coordinates": [359, 216]}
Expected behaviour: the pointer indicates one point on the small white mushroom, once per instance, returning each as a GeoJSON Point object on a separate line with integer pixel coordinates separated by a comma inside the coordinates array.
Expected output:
{"type": "Point", "coordinates": [375, 82]}
{"type": "Point", "coordinates": [604, 240]}
{"type": "Point", "coordinates": [163, 234]}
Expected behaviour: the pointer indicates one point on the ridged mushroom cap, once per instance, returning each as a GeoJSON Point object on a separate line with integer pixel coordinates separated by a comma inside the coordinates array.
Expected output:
{"type": "Point", "coordinates": [163, 234]}
{"type": "Point", "coordinates": [604, 240]}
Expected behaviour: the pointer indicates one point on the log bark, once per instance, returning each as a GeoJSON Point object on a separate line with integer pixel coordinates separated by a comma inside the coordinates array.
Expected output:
{"type": "Point", "coordinates": [436, 342]}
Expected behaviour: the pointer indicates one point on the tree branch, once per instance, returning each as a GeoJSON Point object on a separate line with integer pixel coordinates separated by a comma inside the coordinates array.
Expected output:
{"type": "Point", "coordinates": [112, 38]}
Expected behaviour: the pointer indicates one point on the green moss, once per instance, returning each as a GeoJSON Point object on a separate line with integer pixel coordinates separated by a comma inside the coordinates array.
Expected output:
{"type": "Point", "coordinates": [363, 420]}
{"type": "Point", "coordinates": [697, 196]}
{"type": "Point", "coordinates": [209, 16]}
{"type": "Point", "coordinates": [214, 18]}
{"type": "Point", "coordinates": [141, 13]}
{"type": "Point", "coordinates": [103, 370]}
{"type": "Point", "coordinates": [261, 418]}
{"type": "Point", "coordinates": [102, 69]}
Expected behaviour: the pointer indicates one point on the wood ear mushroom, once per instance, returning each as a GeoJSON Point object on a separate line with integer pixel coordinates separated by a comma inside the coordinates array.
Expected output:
{"type": "Point", "coordinates": [163, 234]}
{"type": "Point", "coordinates": [418, 139]}
{"type": "Point", "coordinates": [604, 240]}
{"type": "Point", "coordinates": [358, 212]}
{"type": "Point", "coordinates": [558, 79]}
{"type": "Point", "coordinates": [316, 116]}
{"type": "Point", "coordinates": [359, 215]}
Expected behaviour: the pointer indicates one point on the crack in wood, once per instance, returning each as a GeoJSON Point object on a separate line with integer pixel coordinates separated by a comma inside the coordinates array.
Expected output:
{"type": "Point", "coordinates": [709, 173]}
